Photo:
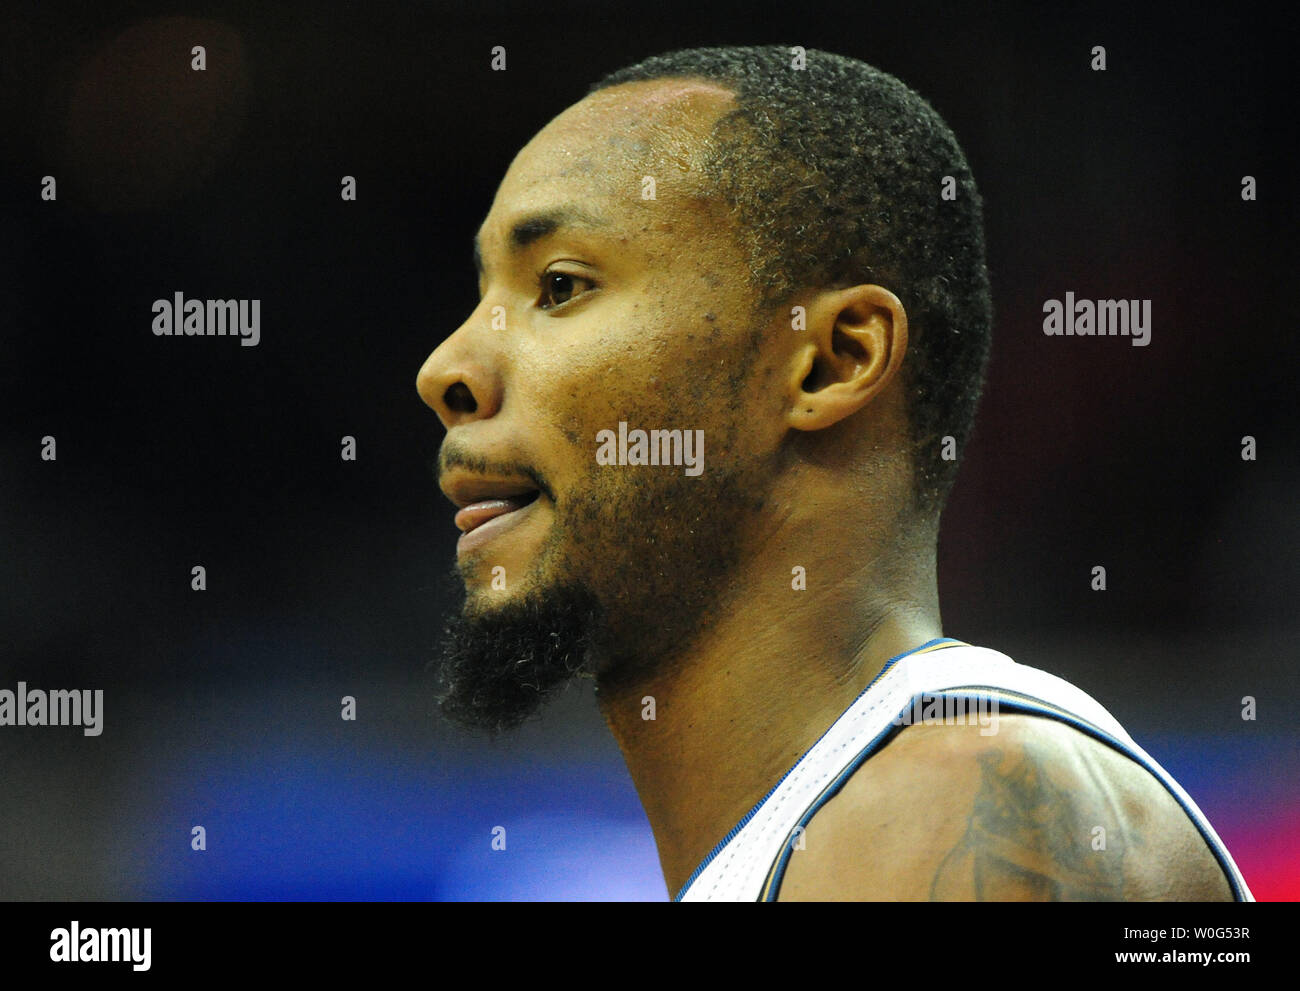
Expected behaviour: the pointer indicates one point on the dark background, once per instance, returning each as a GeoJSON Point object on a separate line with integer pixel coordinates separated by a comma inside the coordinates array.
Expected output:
{"type": "Point", "coordinates": [325, 578]}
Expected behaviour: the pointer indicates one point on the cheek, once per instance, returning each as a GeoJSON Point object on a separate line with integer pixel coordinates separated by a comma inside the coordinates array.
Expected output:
{"type": "Point", "coordinates": [576, 384]}
{"type": "Point", "coordinates": [573, 386]}
{"type": "Point", "coordinates": [652, 363]}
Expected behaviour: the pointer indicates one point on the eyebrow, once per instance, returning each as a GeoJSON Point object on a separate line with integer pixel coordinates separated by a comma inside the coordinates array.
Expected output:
{"type": "Point", "coordinates": [535, 226]}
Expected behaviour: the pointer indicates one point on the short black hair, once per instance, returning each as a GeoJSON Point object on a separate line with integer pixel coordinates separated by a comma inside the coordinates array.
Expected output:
{"type": "Point", "coordinates": [834, 173]}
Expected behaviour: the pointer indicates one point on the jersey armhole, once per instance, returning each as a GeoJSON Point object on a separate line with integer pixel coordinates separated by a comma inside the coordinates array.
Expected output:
{"type": "Point", "coordinates": [1025, 705]}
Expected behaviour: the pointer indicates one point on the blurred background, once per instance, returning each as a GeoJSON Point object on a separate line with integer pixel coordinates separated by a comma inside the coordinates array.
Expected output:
{"type": "Point", "coordinates": [327, 578]}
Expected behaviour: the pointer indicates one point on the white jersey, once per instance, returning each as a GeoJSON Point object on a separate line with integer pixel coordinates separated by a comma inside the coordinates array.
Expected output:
{"type": "Point", "coordinates": [750, 861]}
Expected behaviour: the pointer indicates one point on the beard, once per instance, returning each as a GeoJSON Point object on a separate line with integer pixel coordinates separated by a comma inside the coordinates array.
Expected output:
{"type": "Point", "coordinates": [500, 666]}
{"type": "Point", "coordinates": [632, 572]}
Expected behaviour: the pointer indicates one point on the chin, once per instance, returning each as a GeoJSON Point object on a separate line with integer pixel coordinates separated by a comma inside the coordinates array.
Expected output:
{"type": "Point", "coordinates": [507, 653]}
{"type": "Point", "coordinates": [484, 596]}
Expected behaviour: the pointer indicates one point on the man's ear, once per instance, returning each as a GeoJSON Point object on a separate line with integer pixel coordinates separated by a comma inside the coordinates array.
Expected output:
{"type": "Point", "coordinates": [855, 342]}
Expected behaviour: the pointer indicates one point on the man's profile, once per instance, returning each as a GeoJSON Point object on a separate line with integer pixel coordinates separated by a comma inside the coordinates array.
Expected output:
{"type": "Point", "coordinates": [717, 244]}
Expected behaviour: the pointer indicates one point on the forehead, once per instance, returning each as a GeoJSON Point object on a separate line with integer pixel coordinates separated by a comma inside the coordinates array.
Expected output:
{"type": "Point", "coordinates": [599, 152]}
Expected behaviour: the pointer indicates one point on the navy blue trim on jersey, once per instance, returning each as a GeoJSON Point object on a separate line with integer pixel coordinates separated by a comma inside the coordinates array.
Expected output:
{"type": "Point", "coordinates": [731, 834]}
{"type": "Point", "coordinates": [777, 873]}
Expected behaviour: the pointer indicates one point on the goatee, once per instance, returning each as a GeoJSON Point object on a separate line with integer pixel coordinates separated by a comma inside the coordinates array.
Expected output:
{"type": "Point", "coordinates": [500, 665]}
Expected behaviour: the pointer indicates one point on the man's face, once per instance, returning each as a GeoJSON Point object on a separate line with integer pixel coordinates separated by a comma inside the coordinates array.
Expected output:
{"type": "Point", "coordinates": [600, 304]}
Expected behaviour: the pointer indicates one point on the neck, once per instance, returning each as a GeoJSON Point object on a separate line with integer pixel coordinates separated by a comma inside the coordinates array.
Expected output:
{"type": "Point", "coordinates": [737, 709]}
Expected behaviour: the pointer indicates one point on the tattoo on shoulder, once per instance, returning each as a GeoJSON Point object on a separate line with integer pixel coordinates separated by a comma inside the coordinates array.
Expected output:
{"type": "Point", "coordinates": [1029, 840]}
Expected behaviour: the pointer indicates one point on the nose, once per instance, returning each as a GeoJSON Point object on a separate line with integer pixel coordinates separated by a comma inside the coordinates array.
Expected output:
{"type": "Point", "coordinates": [459, 381]}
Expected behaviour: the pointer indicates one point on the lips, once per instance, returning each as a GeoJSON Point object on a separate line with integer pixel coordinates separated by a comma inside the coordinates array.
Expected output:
{"type": "Point", "coordinates": [475, 514]}
{"type": "Point", "coordinates": [489, 505]}
{"type": "Point", "coordinates": [485, 519]}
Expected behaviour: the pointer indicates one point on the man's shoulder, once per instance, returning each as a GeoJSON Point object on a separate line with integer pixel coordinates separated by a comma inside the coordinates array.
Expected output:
{"type": "Point", "coordinates": [1038, 811]}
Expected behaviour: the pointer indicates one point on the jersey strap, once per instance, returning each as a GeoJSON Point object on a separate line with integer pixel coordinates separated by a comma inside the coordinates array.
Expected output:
{"type": "Point", "coordinates": [750, 861]}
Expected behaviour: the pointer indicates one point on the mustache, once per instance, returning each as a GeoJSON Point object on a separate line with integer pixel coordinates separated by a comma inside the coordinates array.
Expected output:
{"type": "Point", "coordinates": [458, 456]}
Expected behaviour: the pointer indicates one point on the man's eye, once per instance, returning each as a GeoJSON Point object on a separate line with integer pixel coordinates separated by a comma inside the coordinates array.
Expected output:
{"type": "Point", "coordinates": [560, 287]}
